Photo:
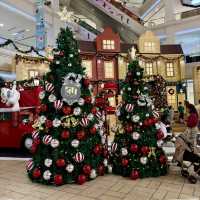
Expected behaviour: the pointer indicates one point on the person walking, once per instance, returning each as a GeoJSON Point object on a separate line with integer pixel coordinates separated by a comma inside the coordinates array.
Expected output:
{"type": "Point", "coordinates": [181, 110]}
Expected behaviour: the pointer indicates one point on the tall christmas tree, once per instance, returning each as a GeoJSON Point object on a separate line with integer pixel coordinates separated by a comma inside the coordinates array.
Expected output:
{"type": "Point", "coordinates": [69, 136]}
{"type": "Point", "coordinates": [135, 149]}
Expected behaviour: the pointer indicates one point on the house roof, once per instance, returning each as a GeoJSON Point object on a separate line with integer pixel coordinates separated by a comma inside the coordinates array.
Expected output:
{"type": "Point", "coordinates": [90, 47]}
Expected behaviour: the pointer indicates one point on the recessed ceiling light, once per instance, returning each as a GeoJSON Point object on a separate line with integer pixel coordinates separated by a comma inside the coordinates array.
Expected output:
{"type": "Point", "coordinates": [27, 30]}
{"type": "Point", "coordinates": [1, 25]}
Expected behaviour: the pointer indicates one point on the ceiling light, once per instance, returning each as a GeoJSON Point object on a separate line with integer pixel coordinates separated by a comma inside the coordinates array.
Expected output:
{"type": "Point", "coordinates": [14, 34]}
{"type": "Point", "coordinates": [1, 25]}
{"type": "Point", "coordinates": [27, 30]}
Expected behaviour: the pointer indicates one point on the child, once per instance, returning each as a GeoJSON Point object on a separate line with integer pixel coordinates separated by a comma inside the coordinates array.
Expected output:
{"type": "Point", "coordinates": [181, 112]}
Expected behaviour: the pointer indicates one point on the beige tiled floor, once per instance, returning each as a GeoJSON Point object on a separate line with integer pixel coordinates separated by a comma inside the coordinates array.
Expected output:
{"type": "Point", "coordinates": [14, 185]}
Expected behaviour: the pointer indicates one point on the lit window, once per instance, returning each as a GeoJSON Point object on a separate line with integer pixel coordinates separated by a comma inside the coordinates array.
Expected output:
{"type": "Point", "coordinates": [170, 69]}
{"type": "Point", "coordinates": [149, 68]}
{"type": "Point", "coordinates": [109, 69]}
{"type": "Point", "coordinates": [149, 46]}
{"type": "Point", "coordinates": [108, 44]}
{"type": "Point", "coordinates": [88, 67]}
{"type": "Point", "coordinates": [33, 73]}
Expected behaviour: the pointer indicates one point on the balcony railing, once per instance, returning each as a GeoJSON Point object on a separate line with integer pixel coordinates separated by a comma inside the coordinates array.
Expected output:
{"type": "Point", "coordinates": [125, 10]}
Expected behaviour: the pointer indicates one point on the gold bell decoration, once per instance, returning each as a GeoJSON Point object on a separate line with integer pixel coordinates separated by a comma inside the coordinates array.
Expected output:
{"type": "Point", "coordinates": [69, 121]}
{"type": "Point", "coordinates": [152, 152]}
{"type": "Point", "coordinates": [37, 125]}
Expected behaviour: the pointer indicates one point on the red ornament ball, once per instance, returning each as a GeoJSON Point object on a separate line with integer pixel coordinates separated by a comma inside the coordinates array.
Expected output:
{"type": "Point", "coordinates": [93, 130]}
{"type": "Point", "coordinates": [60, 163]}
{"type": "Point", "coordinates": [129, 128]}
{"type": "Point", "coordinates": [86, 82]}
{"type": "Point", "coordinates": [36, 141]}
{"type": "Point", "coordinates": [36, 173]}
{"type": "Point", "coordinates": [43, 108]}
{"type": "Point", "coordinates": [48, 123]}
{"type": "Point", "coordinates": [88, 99]}
{"type": "Point", "coordinates": [80, 135]}
{"type": "Point", "coordinates": [159, 135]}
{"type": "Point", "coordinates": [97, 149]}
{"type": "Point", "coordinates": [87, 169]}
{"type": "Point", "coordinates": [101, 170]}
{"type": "Point", "coordinates": [61, 53]}
{"type": "Point", "coordinates": [67, 110]}
{"type": "Point", "coordinates": [163, 159]}
{"type": "Point", "coordinates": [58, 179]}
{"type": "Point", "coordinates": [94, 110]}
{"type": "Point", "coordinates": [145, 150]}
{"type": "Point", "coordinates": [125, 162]}
{"type": "Point", "coordinates": [134, 148]}
{"type": "Point", "coordinates": [33, 148]}
{"type": "Point", "coordinates": [81, 179]}
{"type": "Point", "coordinates": [135, 174]}
{"type": "Point", "coordinates": [65, 134]}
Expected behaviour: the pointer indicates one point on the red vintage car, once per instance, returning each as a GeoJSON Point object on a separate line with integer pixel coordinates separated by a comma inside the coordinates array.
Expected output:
{"type": "Point", "coordinates": [16, 127]}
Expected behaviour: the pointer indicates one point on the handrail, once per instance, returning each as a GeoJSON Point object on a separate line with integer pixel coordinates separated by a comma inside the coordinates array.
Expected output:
{"type": "Point", "coordinates": [125, 10]}
{"type": "Point", "coordinates": [88, 27]}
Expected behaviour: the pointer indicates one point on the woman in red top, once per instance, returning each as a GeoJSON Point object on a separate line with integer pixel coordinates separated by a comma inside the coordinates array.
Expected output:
{"type": "Point", "coordinates": [186, 142]}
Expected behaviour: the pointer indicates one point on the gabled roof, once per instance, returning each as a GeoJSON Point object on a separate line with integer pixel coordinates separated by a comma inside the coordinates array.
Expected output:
{"type": "Point", "coordinates": [171, 49]}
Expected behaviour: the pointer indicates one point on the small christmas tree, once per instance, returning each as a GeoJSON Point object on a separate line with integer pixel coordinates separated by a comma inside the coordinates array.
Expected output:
{"type": "Point", "coordinates": [69, 136]}
{"type": "Point", "coordinates": [135, 149]}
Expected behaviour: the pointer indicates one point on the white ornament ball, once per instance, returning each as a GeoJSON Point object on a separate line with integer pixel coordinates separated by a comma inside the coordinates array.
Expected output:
{"type": "Point", "coordinates": [147, 115]}
{"type": "Point", "coordinates": [105, 162]}
{"type": "Point", "coordinates": [160, 143]}
{"type": "Point", "coordinates": [135, 118]}
{"type": "Point", "coordinates": [135, 135]}
{"type": "Point", "coordinates": [70, 64]}
{"type": "Point", "coordinates": [55, 143]}
{"type": "Point", "coordinates": [70, 168]}
{"type": "Point", "coordinates": [42, 119]}
{"type": "Point", "coordinates": [57, 62]}
{"type": "Point", "coordinates": [42, 95]}
{"type": "Point", "coordinates": [109, 169]}
{"type": "Point", "coordinates": [144, 160]}
{"type": "Point", "coordinates": [47, 175]}
{"type": "Point", "coordinates": [81, 102]}
{"type": "Point", "coordinates": [129, 89]}
{"type": "Point", "coordinates": [56, 123]}
{"type": "Point", "coordinates": [140, 123]}
{"type": "Point", "coordinates": [90, 87]}
{"type": "Point", "coordinates": [145, 88]}
{"type": "Point", "coordinates": [52, 98]}
{"type": "Point", "coordinates": [75, 143]}
{"type": "Point", "coordinates": [77, 111]}
{"type": "Point", "coordinates": [101, 132]}
{"type": "Point", "coordinates": [138, 91]}
{"type": "Point", "coordinates": [157, 126]}
{"type": "Point", "coordinates": [48, 162]}
{"type": "Point", "coordinates": [138, 73]}
{"type": "Point", "coordinates": [90, 116]}
{"type": "Point", "coordinates": [124, 151]}
{"type": "Point", "coordinates": [71, 55]}
{"type": "Point", "coordinates": [93, 174]}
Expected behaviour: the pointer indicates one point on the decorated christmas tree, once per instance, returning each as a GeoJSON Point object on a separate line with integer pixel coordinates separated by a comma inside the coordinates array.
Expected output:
{"type": "Point", "coordinates": [135, 151]}
{"type": "Point", "coordinates": [69, 132]}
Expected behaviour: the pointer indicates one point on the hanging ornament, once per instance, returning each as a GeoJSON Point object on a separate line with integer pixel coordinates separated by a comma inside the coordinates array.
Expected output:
{"type": "Point", "coordinates": [43, 108]}
{"type": "Point", "coordinates": [144, 160]}
{"type": "Point", "coordinates": [138, 91]}
{"type": "Point", "coordinates": [35, 134]}
{"type": "Point", "coordinates": [156, 114]}
{"type": "Point", "coordinates": [49, 87]}
{"type": "Point", "coordinates": [93, 174]}
{"type": "Point", "coordinates": [48, 162]}
{"type": "Point", "coordinates": [90, 116]}
{"type": "Point", "coordinates": [71, 55]}
{"type": "Point", "coordinates": [94, 110]}
{"type": "Point", "coordinates": [93, 130]}
{"type": "Point", "coordinates": [124, 151]}
{"type": "Point", "coordinates": [81, 135]}
{"type": "Point", "coordinates": [56, 123]}
{"type": "Point", "coordinates": [42, 119]}
{"type": "Point", "coordinates": [129, 89]}
{"type": "Point", "coordinates": [129, 107]}
{"type": "Point", "coordinates": [58, 179]}
{"type": "Point", "coordinates": [48, 123]}
{"type": "Point", "coordinates": [145, 88]}
{"type": "Point", "coordinates": [52, 98]}
{"type": "Point", "coordinates": [55, 143]}
{"type": "Point", "coordinates": [138, 73]}
{"type": "Point", "coordinates": [125, 162]}
{"type": "Point", "coordinates": [58, 104]}
{"type": "Point", "coordinates": [160, 143]}
{"type": "Point", "coordinates": [81, 102]}
{"type": "Point", "coordinates": [60, 163]}
{"type": "Point", "coordinates": [67, 110]}
{"type": "Point", "coordinates": [87, 169]}
{"type": "Point", "coordinates": [36, 173]}
{"type": "Point", "coordinates": [88, 99]}
{"type": "Point", "coordinates": [47, 139]}
{"type": "Point", "coordinates": [75, 143]}
{"type": "Point", "coordinates": [79, 157]}
{"type": "Point", "coordinates": [77, 111]}
{"type": "Point", "coordinates": [114, 147]}
{"type": "Point", "coordinates": [141, 102]}
{"type": "Point", "coordinates": [147, 115]}
{"type": "Point", "coordinates": [128, 128]}
{"type": "Point", "coordinates": [135, 174]}
{"type": "Point", "coordinates": [69, 64]}
{"type": "Point", "coordinates": [157, 125]}
{"type": "Point", "coordinates": [159, 135]}
{"type": "Point", "coordinates": [47, 175]}
{"type": "Point", "coordinates": [65, 134]}
{"type": "Point", "coordinates": [110, 169]}
{"type": "Point", "coordinates": [29, 165]}
{"type": "Point", "coordinates": [69, 168]}
{"type": "Point", "coordinates": [135, 136]}
{"type": "Point", "coordinates": [134, 148]}
{"type": "Point", "coordinates": [81, 179]}
{"type": "Point", "coordinates": [42, 95]}
{"type": "Point", "coordinates": [105, 162]}
{"type": "Point", "coordinates": [97, 149]}
{"type": "Point", "coordinates": [99, 115]}
{"type": "Point", "coordinates": [84, 122]}
{"type": "Point", "coordinates": [145, 150]}
{"type": "Point", "coordinates": [135, 118]}
{"type": "Point", "coordinates": [162, 159]}
{"type": "Point", "coordinates": [101, 170]}
{"type": "Point", "coordinates": [57, 62]}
